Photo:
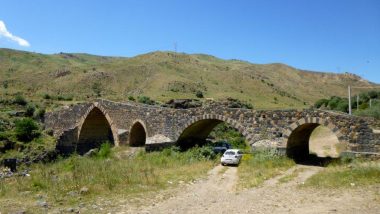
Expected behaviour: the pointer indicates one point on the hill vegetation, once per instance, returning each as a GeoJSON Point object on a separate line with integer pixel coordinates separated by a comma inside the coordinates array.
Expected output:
{"type": "Point", "coordinates": [162, 76]}
{"type": "Point", "coordinates": [365, 104]}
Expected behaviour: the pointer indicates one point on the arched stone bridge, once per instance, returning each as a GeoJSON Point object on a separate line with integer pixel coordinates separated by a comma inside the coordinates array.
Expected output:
{"type": "Point", "coordinates": [84, 126]}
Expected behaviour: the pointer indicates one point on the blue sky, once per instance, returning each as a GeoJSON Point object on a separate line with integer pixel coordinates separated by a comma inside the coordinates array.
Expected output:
{"type": "Point", "coordinates": [321, 35]}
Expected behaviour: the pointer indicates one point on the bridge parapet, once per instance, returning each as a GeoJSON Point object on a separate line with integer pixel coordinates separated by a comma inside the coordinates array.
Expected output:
{"type": "Point", "coordinates": [174, 124]}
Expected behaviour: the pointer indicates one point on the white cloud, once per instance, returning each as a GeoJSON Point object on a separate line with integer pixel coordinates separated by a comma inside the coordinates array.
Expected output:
{"type": "Point", "coordinates": [5, 33]}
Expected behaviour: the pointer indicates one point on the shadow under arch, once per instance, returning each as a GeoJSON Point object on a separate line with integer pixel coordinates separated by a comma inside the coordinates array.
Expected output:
{"type": "Point", "coordinates": [137, 134]}
{"type": "Point", "coordinates": [198, 129]}
{"type": "Point", "coordinates": [298, 142]}
{"type": "Point", "coordinates": [94, 129]}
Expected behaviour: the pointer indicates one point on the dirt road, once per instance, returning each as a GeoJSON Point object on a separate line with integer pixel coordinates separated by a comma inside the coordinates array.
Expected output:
{"type": "Point", "coordinates": [282, 194]}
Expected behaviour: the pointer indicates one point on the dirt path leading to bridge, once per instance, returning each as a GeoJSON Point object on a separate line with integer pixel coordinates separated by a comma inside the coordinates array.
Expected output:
{"type": "Point", "coordinates": [282, 194]}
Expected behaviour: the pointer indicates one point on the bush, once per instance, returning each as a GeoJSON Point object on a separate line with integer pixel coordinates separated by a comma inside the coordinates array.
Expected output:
{"type": "Point", "coordinates": [370, 112]}
{"type": "Point", "coordinates": [30, 109]}
{"type": "Point", "coordinates": [47, 96]}
{"type": "Point", "coordinates": [65, 97]}
{"type": "Point", "coordinates": [131, 98]}
{"type": "Point", "coordinates": [226, 133]}
{"type": "Point", "coordinates": [97, 89]}
{"type": "Point", "coordinates": [26, 130]}
{"type": "Point", "coordinates": [105, 150]}
{"type": "Point", "coordinates": [145, 100]}
{"type": "Point", "coordinates": [40, 113]}
{"type": "Point", "coordinates": [199, 94]}
{"type": "Point", "coordinates": [321, 102]}
{"type": "Point", "coordinates": [235, 103]}
{"type": "Point", "coordinates": [20, 100]}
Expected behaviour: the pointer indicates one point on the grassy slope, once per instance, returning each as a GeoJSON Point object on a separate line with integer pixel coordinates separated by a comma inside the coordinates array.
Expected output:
{"type": "Point", "coordinates": [154, 74]}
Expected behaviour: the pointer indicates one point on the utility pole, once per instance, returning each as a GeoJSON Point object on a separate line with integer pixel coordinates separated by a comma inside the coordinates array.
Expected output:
{"type": "Point", "coordinates": [370, 103]}
{"type": "Point", "coordinates": [357, 102]}
{"type": "Point", "coordinates": [349, 101]}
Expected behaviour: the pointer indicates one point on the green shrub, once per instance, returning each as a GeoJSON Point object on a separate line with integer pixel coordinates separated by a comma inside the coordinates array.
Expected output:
{"type": "Point", "coordinates": [145, 100]}
{"type": "Point", "coordinates": [30, 109]}
{"type": "Point", "coordinates": [321, 102]}
{"type": "Point", "coordinates": [97, 89]}
{"type": "Point", "coordinates": [370, 112]}
{"type": "Point", "coordinates": [40, 113]}
{"type": "Point", "coordinates": [26, 129]}
{"type": "Point", "coordinates": [105, 150]}
{"type": "Point", "coordinates": [20, 100]}
{"type": "Point", "coordinates": [235, 103]}
{"type": "Point", "coordinates": [5, 84]}
{"type": "Point", "coordinates": [226, 133]}
{"type": "Point", "coordinates": [65, 97]}
{"type": "Point", "coordinates": [47, 96]}
{"type": "Point", "coordinates": [199, 94]}
{"type": "Point", "coordinates": [131, 98]}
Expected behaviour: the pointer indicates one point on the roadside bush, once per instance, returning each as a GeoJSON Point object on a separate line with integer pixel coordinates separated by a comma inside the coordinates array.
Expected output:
{"type": "Point", "coordinates": [26, 130]}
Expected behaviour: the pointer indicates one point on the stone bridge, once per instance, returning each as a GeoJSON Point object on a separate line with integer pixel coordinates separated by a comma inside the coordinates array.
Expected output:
{"type": "Point", "coordinates": [84, 126]}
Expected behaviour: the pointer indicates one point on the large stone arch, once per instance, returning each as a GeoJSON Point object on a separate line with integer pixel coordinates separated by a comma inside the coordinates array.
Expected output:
{"type": "Point", "coordinates": [137, 133]}
{"type": "Point", "coordinates": [95, 127]}
{"type": "Point", "coordinates": [199, 127]}
{"type": "Point", "coordinates": [297, 135]}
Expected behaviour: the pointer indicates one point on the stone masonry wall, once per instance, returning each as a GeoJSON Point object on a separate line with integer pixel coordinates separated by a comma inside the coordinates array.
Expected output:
{"type": "Point", "coordinates": [167, 124]}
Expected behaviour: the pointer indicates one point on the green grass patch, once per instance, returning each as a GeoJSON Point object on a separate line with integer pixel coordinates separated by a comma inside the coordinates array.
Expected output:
{"type": "Point", "coordinates": [346, 175]}
{"type": "Point", "coordinates": [61, 182]}
{"type": "Point", "coordinates": [261, 165]}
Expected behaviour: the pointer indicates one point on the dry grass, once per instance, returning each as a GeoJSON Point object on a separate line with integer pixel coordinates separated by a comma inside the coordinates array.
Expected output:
{"type": "Point", "coordinates": [260, 166]}
{"type": "Point", "coordinates": [271, 86]}
{"type": "Point", "coordinates": [59, 183]}
{"type": "Point", "coordinates": [347, 175]}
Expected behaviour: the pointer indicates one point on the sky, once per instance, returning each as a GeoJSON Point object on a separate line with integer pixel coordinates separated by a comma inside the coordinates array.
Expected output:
{"type": "Point", "coordinates": [320, 35]}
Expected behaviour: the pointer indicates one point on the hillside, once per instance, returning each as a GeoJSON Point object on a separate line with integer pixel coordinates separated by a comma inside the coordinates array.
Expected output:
{"type": "Point", "coordinates": [166, 75]}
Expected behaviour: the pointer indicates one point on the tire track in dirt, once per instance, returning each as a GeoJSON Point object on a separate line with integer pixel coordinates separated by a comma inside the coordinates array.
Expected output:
{"type": "Point", "coordinates": [217, 194]}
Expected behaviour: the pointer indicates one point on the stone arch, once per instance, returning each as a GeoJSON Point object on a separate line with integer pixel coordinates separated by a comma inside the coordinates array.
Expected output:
{"type": "Point", "coordinates": [199, 127]}
{"type": "Point", "coordinates": [297, 135]}
{"type": "Point", "coordinates": [95, 127]}
{"type": "Point", "coordinates": [137, 134]}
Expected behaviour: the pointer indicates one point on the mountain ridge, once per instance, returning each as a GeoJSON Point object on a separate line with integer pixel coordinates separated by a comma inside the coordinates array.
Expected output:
{"type": "Point", "coordinates": [166, 75]}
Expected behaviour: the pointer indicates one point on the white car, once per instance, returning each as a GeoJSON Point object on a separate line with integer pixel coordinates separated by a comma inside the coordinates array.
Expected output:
{"type": "Point", "coordinates": [231, 156]}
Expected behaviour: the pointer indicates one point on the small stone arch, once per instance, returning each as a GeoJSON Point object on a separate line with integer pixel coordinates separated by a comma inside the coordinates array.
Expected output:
{"type": "Point", "coordinates": [137, 133]}
{"type": "Point", "coordinates": [297, 135]}
{"type": "Point", "coordinates": [199, 127]}
{"type": "Point", "coordinates": [96, 131]}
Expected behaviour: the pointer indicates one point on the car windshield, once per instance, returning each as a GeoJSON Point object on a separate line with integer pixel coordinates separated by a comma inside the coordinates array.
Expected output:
{"type": "Point", "coordinates": [230, 153]}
